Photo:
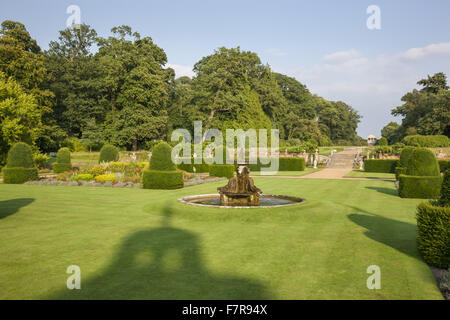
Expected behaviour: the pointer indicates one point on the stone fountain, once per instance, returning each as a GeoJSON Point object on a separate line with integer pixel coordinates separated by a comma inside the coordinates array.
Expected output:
{"type": "Point", "coordinates": [240, 190]}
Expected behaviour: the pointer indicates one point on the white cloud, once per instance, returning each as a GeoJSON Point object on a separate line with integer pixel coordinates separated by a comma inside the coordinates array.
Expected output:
{"type": "Point", "coordinates": [341, 56]}
{"type": "Point", "coordinates": [428, 51]}
{"type": "Point", "coordinates": [181, 70]}
{"type": "Point", "coordinates": [373, 85]}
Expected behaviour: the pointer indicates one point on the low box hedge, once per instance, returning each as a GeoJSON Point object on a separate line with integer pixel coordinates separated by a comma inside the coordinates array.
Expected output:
{"type": "Point", "coordinates": [61, 167]}
{"type": "Point", "coordinates": [382, 165]}
{"type": "Point", "coordinates": [433, 239]}
{"type": "Point", "coordinates": [156, 179]}
{"type": "Point", "coordinates": [422, 187]}
{"type": "Point", "coordinates": [189, 167]}
{"type": "Point", "coordinates": [19, 174]}
{"type": "Point", "coordinates": [284, 164]}
{"type": "Point", "coordinates": [444, 164]}
{"type": "Point", "coordinates": [222, 170]}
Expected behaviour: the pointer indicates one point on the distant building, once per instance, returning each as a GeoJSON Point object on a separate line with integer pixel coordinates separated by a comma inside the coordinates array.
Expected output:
{"type": "Point", "coordinates": [371, 139]}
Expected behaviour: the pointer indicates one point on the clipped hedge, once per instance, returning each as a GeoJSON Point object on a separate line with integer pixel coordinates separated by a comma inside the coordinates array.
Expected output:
{"type": "Point", "coordinates": [432, 141]}
{"type": "Point", "coordinates": [162, 173]}
{"type": "Point", "coordinates": [108, 153]}
{"type": "Point", "coordinates": [222, 170]}
{"type": "Point", "coordinates": [405, 155]}
{"type": "Point", "coordinates": [399, 171]}
{"type": "Point", "coordinates": [422, 162]}
{"type": "Point", "coordinates": [292, 164]}
{"type": "Point", "coordinates": [157, 179]}
{"type": "Point", "coordinates": [422, 187]}
{"type": "Point", "coordinates": [63, 162]}
{"type": "Point", "coordinates": [19, 174]}
{"type": "Point", "coordinates": [162, 158]}
{"type": "Point", "coordinates": [443, 164]}
{"type": "Point", "coordinates": [20, 155]}
{"type": "Point", "coordinates": [386, 165]}
{"type": "Point", "coordinates": [20, 165]}
{"type": "Point", "coordinates": [285, 164]}
{"type": "Point", "coordinates": [444, 199]}
{"type": "Point", "coordinates": [189, 167]}
{"type": "Point", "coordinates": [433, 239]}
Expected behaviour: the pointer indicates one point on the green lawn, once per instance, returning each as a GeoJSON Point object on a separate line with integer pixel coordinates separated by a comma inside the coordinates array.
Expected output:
{"type": "Point", "coordinates": [363, 174]}
{"type": "Point", "coordinates": [135, 243]}
{"type": "Point", "coordinates": [288, 173]}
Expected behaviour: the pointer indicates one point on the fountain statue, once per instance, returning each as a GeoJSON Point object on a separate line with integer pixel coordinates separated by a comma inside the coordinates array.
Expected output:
{"type": "Point", "coordinates": [240, 190]}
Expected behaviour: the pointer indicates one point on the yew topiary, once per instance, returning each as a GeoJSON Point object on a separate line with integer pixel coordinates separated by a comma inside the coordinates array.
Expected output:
{"type": "Point", "coordinates": [20, 165]}
{"type": "Point", "coordinates": [108, 153]}
{"type": "Point", "coordinates": [422, 162]}
{"type": "Point", "coordinates": [162, 158]}
{"type": "Point", "coordinates": [63, 162]}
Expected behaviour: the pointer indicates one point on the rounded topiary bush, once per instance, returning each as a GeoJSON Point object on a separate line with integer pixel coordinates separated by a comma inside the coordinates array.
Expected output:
{"type": "Point", "coordinates": [20, 165]}
{"type": "Point", "coordinates": [108, 153]}
{"type": "Point", "coordinates": [422, 162]}
{"type": "Point", "coordinates": [405, 155]}
{"type": "Point", "coordinates": [63, 162]}
{"type": "Point", "coordinates": [433, 241]}
{"type": "Point", "coordinates": [162, 173]}
{"type": "Point", "coordinates": [444, 199]}
{"type": "Point", "coordinates": [162, 158]}
{"type": "Point", "coordinates": [20, 155]}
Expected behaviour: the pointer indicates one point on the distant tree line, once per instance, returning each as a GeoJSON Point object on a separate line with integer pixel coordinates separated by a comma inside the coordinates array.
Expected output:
{"type": "Point", "coordinates": [117, 90]}
{"type": "Point", "coordinates": [424, 112]}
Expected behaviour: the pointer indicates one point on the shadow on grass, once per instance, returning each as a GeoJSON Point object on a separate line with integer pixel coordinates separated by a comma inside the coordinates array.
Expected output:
{"type": "Point", "coordinates": [393, 233]}
{"type": "Point", "coordinates": [163, 263]}
{"type": "Point", "coordinates": [9, 207]}
{"type": "Point", "coordinates": [390, 191]}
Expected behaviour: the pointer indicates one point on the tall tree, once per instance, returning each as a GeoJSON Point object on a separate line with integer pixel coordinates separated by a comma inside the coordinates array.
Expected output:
{"type": "Point", "coordinates": [20, 115]}
{"type": "Point", "coordinates": [137, 87]}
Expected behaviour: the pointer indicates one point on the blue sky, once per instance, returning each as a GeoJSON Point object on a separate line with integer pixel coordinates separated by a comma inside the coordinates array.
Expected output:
{"type": "Point", "coordinates": [324, 44]}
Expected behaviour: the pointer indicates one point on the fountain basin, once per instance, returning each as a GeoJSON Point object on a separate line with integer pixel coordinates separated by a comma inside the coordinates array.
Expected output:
{"type": "Point", "coordinates": [265, 201]}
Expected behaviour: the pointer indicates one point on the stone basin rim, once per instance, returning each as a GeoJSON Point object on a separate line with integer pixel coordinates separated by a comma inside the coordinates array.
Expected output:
{"type": "Point", "coordinates": [188, 200]}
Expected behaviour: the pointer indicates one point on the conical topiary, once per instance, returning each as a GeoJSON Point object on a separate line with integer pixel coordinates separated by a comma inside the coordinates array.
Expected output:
{"type": "Point", "coordinates": [63, 162]}
{"type": "Point", "coordinates": [162, 158]}
{"type": "Point", "coordinates": [108, 153]}
{"type": "Point", "coordinates": [162, 173]}
{"type": "Point", "coordinates": [20, 165]}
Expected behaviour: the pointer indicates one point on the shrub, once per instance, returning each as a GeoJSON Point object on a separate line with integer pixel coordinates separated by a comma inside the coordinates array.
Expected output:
{"type": "Point", "coordinates": [41, 160]}
{"type": "Point", "coordinates": [108, 153]}
{"type": "Point", "coordinates": [84, 177]}
{"type": "Point", "coordinates": [422, 162]}
{"type": "Point", "coordinates": [105, 177]}
{"type": "Point", "coordinates": [405, 155]}
{"type": "Point", "coordinates": [443, 164]}
{"type": "Point", "coordinates": [383, 142]}
{"type": "Point", "coordinates": [20, 155]}
{"type": "Point", "coordinates": [422, 187]}
{"type": "Point", "coordinates": [387, 165]}
{"type": "Point", "coordinates": [162, 158]}
{"type": "Point", "coordinates": [189, 167]}
{"type": "Point", "coordinates": [444, 199]}
{"type": "Point", "coordinates": [20, 165]}
{"type": "Point", "coordinates": [222, 170]}
{"type": "Point", "coordinates": [19, 174]}
{"type": "Point", "coordinates": [62, 161]}
{"type": "Point", "coordinates": [158, 179]}
{"type": "Point", "coordinates": [433, 239]}
{"type": "Point", "coordinates": [74, 144]}
{"type": "Point", "coordinates": [433, 141]}
{"type": "Point", "coordinates": [292, 164]}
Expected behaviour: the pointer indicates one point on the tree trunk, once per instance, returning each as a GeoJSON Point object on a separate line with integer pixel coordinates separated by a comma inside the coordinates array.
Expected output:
{"type": "Point", "coordinates": [134, 145]}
